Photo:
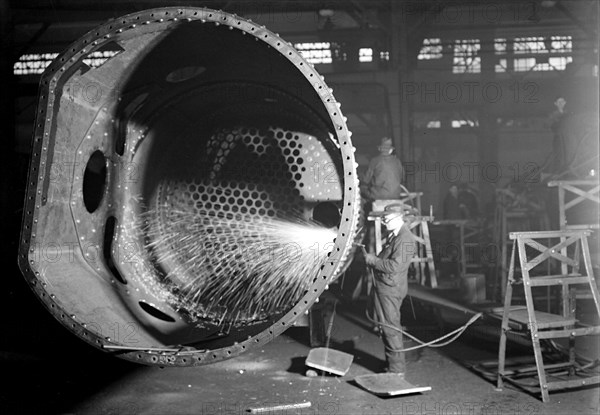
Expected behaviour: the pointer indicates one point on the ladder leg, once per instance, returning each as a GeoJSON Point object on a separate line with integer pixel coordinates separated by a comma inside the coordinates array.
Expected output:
{"type": "Point", "coordinates": [571, 304]}
{"type": "Point", "coordinates": [496, 240]}
{"type": "Point", "coordinates": [503, 253]}
{"type": "Point", "coordinates": [505, 316]}
{"type": "Point", "coordinates": [463, 254]}
{"type": "Point", "coordinates": [503, 331]}
{"type": "Point", "coordinates": [533, 325]}
{"type": "Point", "coordinates": [429, 254]}
{"type": "Point", "coordinates": [590, 273]}
{"type": "Point", "coordinates": [539, 362]}
{"type": "Point", "coordinates": [422, 252]}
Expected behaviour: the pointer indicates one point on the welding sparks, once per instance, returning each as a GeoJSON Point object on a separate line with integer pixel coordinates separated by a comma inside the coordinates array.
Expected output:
{"type": "Point", "coordinates": [236, 267]}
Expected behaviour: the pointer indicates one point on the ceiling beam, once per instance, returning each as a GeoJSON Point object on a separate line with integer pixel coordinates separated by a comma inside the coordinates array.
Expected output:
{"type": "Point", "coordinates": [591, 32]}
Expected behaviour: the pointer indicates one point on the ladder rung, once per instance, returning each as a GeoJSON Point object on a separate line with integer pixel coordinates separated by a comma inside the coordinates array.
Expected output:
{"type": "Point", "coordinates": [542, 320]}
{"type": "Point", "coordinates": [584, 295]}
{"type": "Point", "coordinates": [518, 331]}
{"type": "Point", "coordinates": [574, 383]}
{"type": "Point", "coordinates": [421, 260]}
{"type": "Point", "coordinates": [557, 276]}
{"type": "Point", "coordinates": [584, 226]}
{"type": "Point", "coordinates": [533, 368]}
{"type": "Point", "coordinates": [558, 280]}
{"type": "Point", "coordinates": [580, 331]}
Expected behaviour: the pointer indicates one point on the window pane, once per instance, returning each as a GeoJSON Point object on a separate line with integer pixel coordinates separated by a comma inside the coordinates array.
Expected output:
{"type": "Point", "coordinates": [431, 49]}
{"type": "Point", "coordinates": [465, 56]}
{"type": "Point", "coordinates": [315, 52]}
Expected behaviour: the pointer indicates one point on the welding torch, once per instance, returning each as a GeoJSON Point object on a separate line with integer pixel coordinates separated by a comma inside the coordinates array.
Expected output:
{"type": "Point", "coordinates": [362, 247]}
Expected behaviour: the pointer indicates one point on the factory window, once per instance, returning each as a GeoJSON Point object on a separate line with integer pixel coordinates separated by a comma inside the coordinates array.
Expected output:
{"type": "Point", "coordinates": [431, 49]}
{"type": "Point", "coordinates": [552, 63]}
{"type": "Point", "coordinates": [36, 63]}
{"type": "Point", "coordinates": [535, 53]}
{"type": "Point", "coordinates": [427, 120]}
{"type": "Point", "coordinates": [96, 59]}
{"type": "Point", "coordinates": [500, 46]}
{"type": "Point", "coordinates": [33, 63]}
{"type": "Point", "coordinates": [501, 65]}
{"type": "Point", "coordinates": [524, 64]}
{"type": "Point", "coordinates": [315, 52]}
{"type": "Point", "coordinates": [464, 123]}
{"type": "Point", "coordinates": [561, 44]}
{"type": "Point", "coordinates": [529, 45]}
{"type": "Point", "coordinates": [365, 55]}
{"type": "Point", "coordinates": [541, 45]}
{"type": "Point", "coordinates": [445, 120]}
{"type": "Point", "coordinates": [556, 63]}
{"type": "Point", "coordinates": [384, 55]}
{"type": "Point", "coordinates": [465, 56]}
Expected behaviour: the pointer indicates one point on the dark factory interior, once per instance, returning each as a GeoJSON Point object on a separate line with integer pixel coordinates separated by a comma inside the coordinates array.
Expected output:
{"type": "Point", "coordinates": [300, 207]}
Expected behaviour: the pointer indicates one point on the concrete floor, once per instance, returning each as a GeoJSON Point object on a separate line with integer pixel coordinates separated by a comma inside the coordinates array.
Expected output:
{"type": "Point", "coordinates": [52, 372]}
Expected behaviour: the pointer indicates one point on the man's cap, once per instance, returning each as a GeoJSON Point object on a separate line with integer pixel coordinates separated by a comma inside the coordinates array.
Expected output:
{"type": "Point", "coordinates": [396, 209]}
{"type": "Point", "coordinates": [392, 211]}
{"type": "Point", "coordinates": [386, 144]}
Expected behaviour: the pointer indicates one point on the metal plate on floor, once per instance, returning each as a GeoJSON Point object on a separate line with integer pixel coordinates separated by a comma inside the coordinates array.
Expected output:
{"type": "Point", "coordinates": [388, 384]}
{"type": "Point", "coordinates": [329, 360]}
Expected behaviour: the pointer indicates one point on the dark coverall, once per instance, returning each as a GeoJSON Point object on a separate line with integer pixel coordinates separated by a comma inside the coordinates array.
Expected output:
{"type": "Point", "coordinates": [382, 181]}
{"type": "Point", "coordinates": [390, 288]}
{"type": "Point", "coordinates": [383, 178]}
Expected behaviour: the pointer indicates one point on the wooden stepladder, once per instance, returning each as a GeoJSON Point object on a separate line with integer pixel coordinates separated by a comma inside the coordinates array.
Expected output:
{"type": "Point", "coordinates": [568, 247]}
{"type": "Point", "coordinates": [424, 258]}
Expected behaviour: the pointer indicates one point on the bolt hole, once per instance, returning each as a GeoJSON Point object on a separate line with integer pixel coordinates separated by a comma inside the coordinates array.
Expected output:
{"type": "Point", "coordinates": [155, 312]}
{"type": "Point", "coordinates": [109, 234]}
{"type": "Point", "coordinates": [94, 181]}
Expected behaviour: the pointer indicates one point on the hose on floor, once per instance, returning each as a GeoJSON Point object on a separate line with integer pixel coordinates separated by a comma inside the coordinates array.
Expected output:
{"type": "Point", "coordinates": [454, 334]}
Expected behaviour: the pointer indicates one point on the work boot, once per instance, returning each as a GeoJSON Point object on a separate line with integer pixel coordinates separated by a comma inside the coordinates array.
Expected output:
{"type": "Point", "coordinates": [384, 368]}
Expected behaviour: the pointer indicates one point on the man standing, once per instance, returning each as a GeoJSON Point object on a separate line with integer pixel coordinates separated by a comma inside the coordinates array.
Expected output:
{"type": "Point", "coordinates": [452, 208]}
{"type": "Point", "coordinates": [383, 179]}
{"type": "Point", "coordinates": [558, 125]}
{"type": "Point", "coordinates": [391, 286]}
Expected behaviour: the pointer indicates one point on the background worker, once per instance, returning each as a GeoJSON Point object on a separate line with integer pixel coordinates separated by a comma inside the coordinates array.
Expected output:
{"type": "Point", "coordinates": [452, 207]}
{"type": "Point", "coordinates": [383, 178]}
{"type": "Point", "coordinates": [391, 286]}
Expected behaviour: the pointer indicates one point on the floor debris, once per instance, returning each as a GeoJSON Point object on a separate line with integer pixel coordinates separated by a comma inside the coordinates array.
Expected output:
{"type": "Point", "coordinates": [284, 407]}
{"type": "Point", "coordinates": [329, 360]}
{"type": "Point", "coordinates": [388, 384]}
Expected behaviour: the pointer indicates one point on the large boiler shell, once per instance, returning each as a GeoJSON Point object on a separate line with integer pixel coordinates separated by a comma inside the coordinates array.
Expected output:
{"type": "Point", "coordinates": [173, 72]}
